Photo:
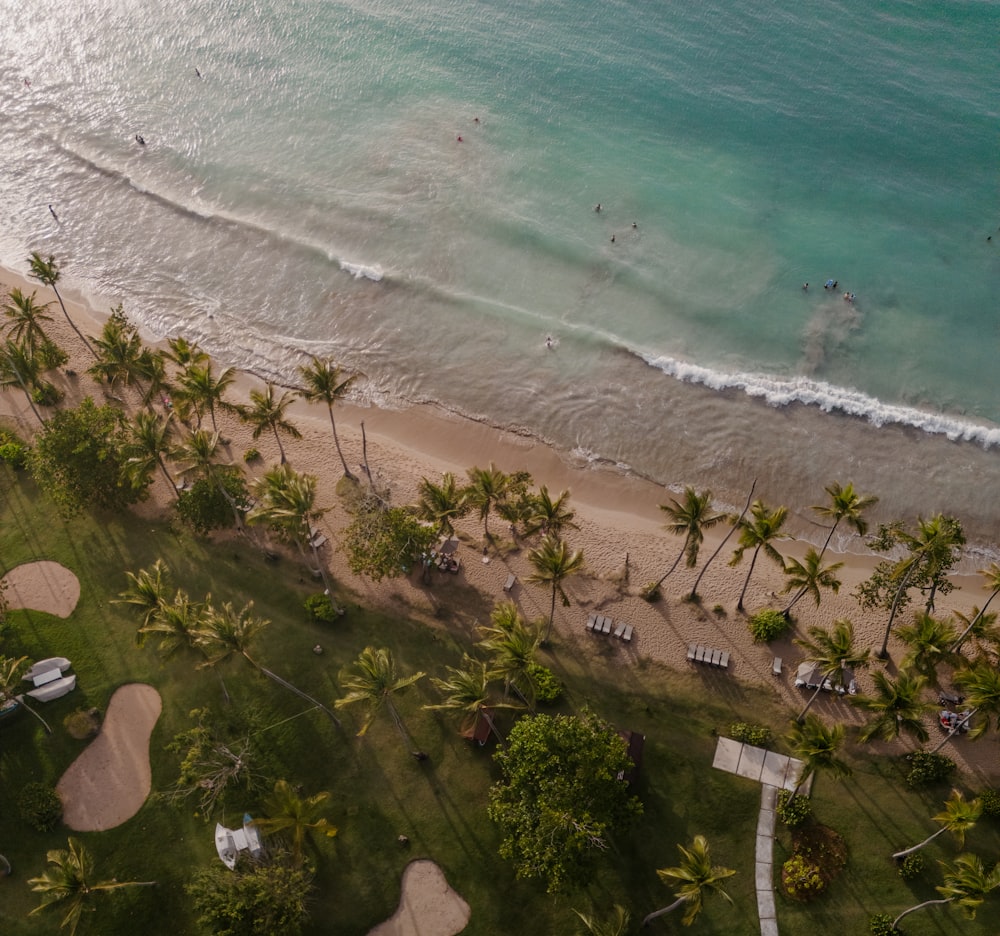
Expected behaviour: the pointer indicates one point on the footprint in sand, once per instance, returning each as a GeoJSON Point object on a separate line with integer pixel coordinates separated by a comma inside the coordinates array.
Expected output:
{"type": "Point", "coordinates": [108, 783]}
{"type": "Point", "coordinates": [427, 906]}
{"type": "Point", "coordinates": [43, 586]}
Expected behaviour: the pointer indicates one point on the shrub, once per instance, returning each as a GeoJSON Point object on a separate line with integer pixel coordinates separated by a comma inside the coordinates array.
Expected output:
{"type": "Point", "coordinates": [911, 866]}
{"type": "Point", "coordinates": [46, 394]}
{"type": "Point", "coordinates": [251, 456]}
{"type": "Point", "coordinates": [991, 803]}
{"type": "Point", "coordinates": [801, 878]}
{"type": "Point", "coordinates": [547, 686]}
{"type": "Point", "coordinates": [13, 451]}
{"type": "Point", "coordinates": [793, 812]}
{"type": "Point", "coordinates": [768, 625]}
{"type": "Point", "coordinates": [719, 610]}
{"type": "Point", "coordinates": [881, 925]}
{"type": "Point", "coordinates": [757, 735]}
{"type": "Point", "coordinates": [321, 608]}
{"type": "Point", "coordinates": [928, 768]}
{"type": "Point", "coordinates": [40, 806]}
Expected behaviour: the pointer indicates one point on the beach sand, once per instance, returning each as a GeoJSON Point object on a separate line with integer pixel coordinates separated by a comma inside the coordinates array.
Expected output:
{"type": "Point", "coordinates": [620, 533]}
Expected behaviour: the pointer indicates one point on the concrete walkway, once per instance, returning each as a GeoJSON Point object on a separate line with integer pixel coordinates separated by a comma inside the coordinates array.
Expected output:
{"type": "Point", "coordinates": [763, 867]}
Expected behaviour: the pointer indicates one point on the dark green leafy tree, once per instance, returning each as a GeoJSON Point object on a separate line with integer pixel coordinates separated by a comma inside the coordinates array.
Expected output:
{"type": "Point", "coordinates": [554, 562]}
{"type": "Point", "coordinates": [695, 878]}
{"type": "Point", "coordinates": [759, 533]}
{"type": "Point", "coordinates": [958, 817]}
{"type": "Point", "coordinates": [324, 383]}
{"type": "Point", "coordinates": [267, 411]}
{"type": "Point", "coordinates": [967, 884]}
{"type": "Point", "coordinates": [200, 456]}
{"type": "Point", "coordinates": [560, 800]}
{"type": "Point", "coordinates": [689, 518]}
{"type": "Point", "coordinates": [214, 505]}
{"type": "Point", "coordinates": [80, 460]}
{"type": "Point", "coordinates": [46, 271]}
{"type": "Point", "coordinates": [808, 577]}
{"type": "Point", "coordinates": [441, 504]}
{"type": "Point", "coordinates": [383, 541]}
{"type": "Point", "coordinates": [896, 708]}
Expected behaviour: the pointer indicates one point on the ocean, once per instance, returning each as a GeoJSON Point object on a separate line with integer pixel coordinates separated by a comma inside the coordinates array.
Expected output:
{"type": "Point", "coordinates": [409, 186]}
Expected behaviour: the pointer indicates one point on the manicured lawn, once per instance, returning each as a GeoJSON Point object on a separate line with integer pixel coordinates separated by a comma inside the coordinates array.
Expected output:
{"type": "Point", "coordinates": [379, 791]}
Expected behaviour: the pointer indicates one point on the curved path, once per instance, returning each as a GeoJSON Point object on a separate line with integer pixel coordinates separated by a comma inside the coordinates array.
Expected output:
{"type": "Point", "coordinates": [43, 586]}
{"type": "Point", "coordinates": [427, 905]}
{"type": "Point", "coordinates": [108, 783]}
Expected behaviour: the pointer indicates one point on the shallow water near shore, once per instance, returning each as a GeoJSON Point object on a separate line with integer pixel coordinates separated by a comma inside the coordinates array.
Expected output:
{"type": "Point", "coordinates": [305, 191]}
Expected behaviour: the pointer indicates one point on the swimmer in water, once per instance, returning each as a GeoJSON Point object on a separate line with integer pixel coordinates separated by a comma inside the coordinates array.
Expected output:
{"type": "Point", "coordinates": [548, 342]}
{"type": "Point", "coordinates": [52, 212]}
{"type": "Point", "coordinates": [140, 140]}
{"type": "Point", "coordinates": [597, 207]}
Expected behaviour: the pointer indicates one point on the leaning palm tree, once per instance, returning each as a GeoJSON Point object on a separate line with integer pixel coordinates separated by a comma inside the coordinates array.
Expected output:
{"type": "Point", "coordinates": [689, 519]}
{"type": "Point", "coordinates": [958, 817]}
{"type": "Point", "coordinates": [47, 271]}
{"type": "Point", "coordinates": [21, 368]}
{"type": "Point", "coordinates": [845, 504]}
{"type": "Point", "coordinates": [834, 654]}
{"type": "Point", "coordinates": [981, 685]}
{"type": "Point", "coordinates": [11, 672]}
{"type": "Point", "coordinates": [759, 533]}
{"type": "Point", "coordinates": [266, 411]}
{"type": "Point", "coordinates": [198, 388]}
{"type": "Point", "coordinates": [929, 641]}
{"type": "Point", "coordinates": [992, 576]}
{"type": "Point", "coordinates": [147, 589]}
{"type": "Point", "coordinates": [737, 523]}
{"type": "Point", "coordinates": [67, 884]}
{"type": "Point", "coordinates": [442, 504]}
{"type": "Point", "coordinates": [150, 439]}
{"type": "Point", "coordinates": [512, 646]}
{"type": "Point", "coordinates": [817, 746]}
{"type": "Point", "coordinates": [696, 878]}
{"type": "Point", "coordinates": [466, 691]}
{"type": "Point", "coordinates": [981, 628]}
{"type": "Point", "coordinates": [25, 319]}
{"type": "Point", "coordinates": [373, 685]}
{"type": "Point", "coordinates": [554, 562]}
{"type": "Point", "coordinates": [293, 815]}
{"type": "Point", "coordinates": [617, 923]}
{"type": "Point", "coordinates": [487, 488]}
{"type": "Point", "coordinates": [896, 706]}
{"type": "Point", "coordinates": [967, 883]}
{"type": "Point", "coordinates": [549, 515]}
{"type": "Point", "coordinates": [200, 456]}
{"type": "Point", "coordinates": [808, 577]}
{"type": "Point", "coordinates": [324, 385]}
{"type": "Point", "coordinates": [177, 624]}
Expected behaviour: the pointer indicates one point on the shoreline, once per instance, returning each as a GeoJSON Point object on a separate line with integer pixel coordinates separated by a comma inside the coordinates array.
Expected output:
{"type": "Point", "coordinates": [621, 535]}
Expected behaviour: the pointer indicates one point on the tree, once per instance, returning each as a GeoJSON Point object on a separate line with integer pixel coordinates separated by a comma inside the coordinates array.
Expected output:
{"type": "Point", "coordinates": [373, 685]}
{"type": "Point", "coordinates": [184, 353]}
{"type": "Point", "coordinates": [198, 388]}
{"type": "Point", "coordinates": [736, 524]}
{"type": "Point", "coordinates": [817, 746]}
{"type": "Point", "coordinates": [200, 455]}
{"type": "Point", "coordinates": [689, 518]}
{"type": "Point", "coordinates": [554, 562]}
{"type": "Point", "coordinates": [992, 576]}
{"type": "Point", "coordinates": [467, 692]}
{"type": "Point", "coordinates": [617, 923]}
{"type": "Point", "coordinates": [47, 272]}
{"type": "Point", "coordinates": [26, 318]}
{"type": "Point", "coordinates": [147, 590]}
{"type": "Point", "coordinates": [966, 883]}
{"type": "Point", "coordinates": [79, 460]}
{"type": "Point", "coordinates": [833, 653]}
{"type": "Point", "coordinates": [150, 439]}
{"type": "Point", "coordinates": [549, 515]}
{"type": "Point", "coordinates": [559, 799]}
{"type": "Point", "coordinates": [958, 817]}
{"type": "Point", "coordinates": [324, 385]}
{"type": "Point", "coordinates": [119, 351]}
{"type": "Point", "coordinates": [67, 884]}
{"type": "Point", "coordinates": [897, 707]}
{"type": "Point", "coordinates": [981, 685]}
{"type": "Point", "coordinates": [266, 411]}
{"type": "Point", "coordinates": [487, 488]}
{"type": "Point", "coordinates": [21, 368]}
{"type": "Point", "coordinates": [929, 640]}
{"type": "Point", "coordinates": [441, 504]}
{"type": "Point", "coordinates": [759, 533]}
{"type": "Point", "coordinates": [256, 898]}
{"type": "Point", "coordinates": [293, 815]}
{"type": "Point", "coordinates": [696, 878]}
{"type": "Point", "coordinates": [512, 645]}
{"type": "Point", "coordinates": [845, 504]}
{"type": "Point", "coordinates": [981, 628]}
{"type": "Point", "coordinates": [808, 577]}
{"type": "Point", "coordinates": [383, 541]}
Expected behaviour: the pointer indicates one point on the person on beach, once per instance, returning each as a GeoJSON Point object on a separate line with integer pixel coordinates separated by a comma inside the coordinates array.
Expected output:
{"type": "Point", "coordinates": [460, 140]}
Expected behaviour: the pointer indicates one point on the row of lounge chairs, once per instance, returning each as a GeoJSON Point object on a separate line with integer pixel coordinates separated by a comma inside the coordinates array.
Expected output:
{"type": "Point", "coordinates": [699, 654]}
{"type": "Point", "coordinates": [600, 624]}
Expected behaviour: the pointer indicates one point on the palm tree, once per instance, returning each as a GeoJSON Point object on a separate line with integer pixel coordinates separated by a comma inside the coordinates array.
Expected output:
{"type": "Point", "coordinates": [929, 640]}
{"type": "Point", "coordinates": [197, 387]}
{"type": "Point", "coordinates": [896, 706]}
{"type": "Point", "coordinates": [47, 272]}
{"type": "Point", "coordinates": [150, 439]}
{"type": "Point", "coordinates": [992, 576]}
{"type": "Point", "coordinates": [834, 654]}
{"type": "Point", "coordinates": [696, 878]}
{"type": "Point", "coordinates": [200, 455]}
{"type": "Point", "coordinates": [512, 645]}
{"type": "Point", "coordinates": [616, 925]}
{"type": "Point", "coordinates": [817, 746]}
{"type": "Point", "coordinates": [289, 813]}
{"type": "Point", "coordinates": [67, 883]}
{"type": "Point", "coordinates": [11, 671]}
{"type": "Point", "coordinates": [966, 883]}
{"type": "Point", "coordinates": [373, 685]}
{"type": "Point", "coordinates": [147, 590]}
{"type": "Point", "coordinates": [184, 353]}
{"type": "Point", "coordinates": [737, 523]}
{"type": "Point", "coordinates": [467, 692]}
{"type": "Point", "coordinates": [554, 563]}
{"type": "Point", "coordinates": [689, 518]}
{"type": "Point", "coordinates": [549, 515]}
{"type": "Point", "coordinates": [441, 504]}
{"type": "Point", "coordinates": [268, 412]}
{"type": "Point", "coordinates": [845, 504]}
{"type": "Point", "coordinates": [178, 623]}
{"type": "Point", "coordinates": [759, 533]}
{"type": "Point", "coordinates": [958, 817]}
{"type": "Point", "coordinates": [487, 488]}
{"type": "Point", "coordinates": [981, 627]}
{"type": "Point", "coordinates": [26, 317]}
{"type": "Point", "coordinates": [981, 685]}
{"type": "Point", "coordinates": [228, 633]}
{"type": "Point", "coordinates": [324, 385]}
{"type": "Point", "coordinates": [809, 577]}
{"type": "Point", "coordinates": [22, 368]}
{"type": "Point", "coordinates": [119, 352]}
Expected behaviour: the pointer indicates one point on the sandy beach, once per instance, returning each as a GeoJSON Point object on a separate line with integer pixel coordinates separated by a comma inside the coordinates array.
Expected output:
{"type": "Point", "coordinates": [620, 534]}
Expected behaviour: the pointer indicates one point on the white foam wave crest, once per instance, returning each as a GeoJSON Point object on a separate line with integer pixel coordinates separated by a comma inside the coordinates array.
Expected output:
{"type": "Point", "coordinates": [778, 391]}
{"type": "Point", "coordinates": [359, 270]}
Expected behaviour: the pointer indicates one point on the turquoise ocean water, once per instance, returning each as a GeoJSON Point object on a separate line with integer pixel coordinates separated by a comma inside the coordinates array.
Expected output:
{"type": "Point", "coordinates": [309, 193]}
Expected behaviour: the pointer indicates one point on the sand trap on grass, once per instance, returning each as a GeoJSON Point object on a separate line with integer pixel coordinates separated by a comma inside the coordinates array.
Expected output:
{"type": "Point", "coordinates": [427, 905]}
{"type": "Point", "coordinates": [108, 783]}
{"type": "Point", "coordinates": [43, 586]}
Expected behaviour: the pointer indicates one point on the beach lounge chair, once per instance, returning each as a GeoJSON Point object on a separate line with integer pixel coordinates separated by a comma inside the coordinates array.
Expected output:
{"type": "Point", "coordinates": [776, 666]}
{"type": "Point", "coordinates": [591, 621]}
{"type": "Point", "coordinates": [724, 660]}
{"type": "Point", "coordinates": [716, 658]}
{"type": "Point", "coordinates": [509, 584]}
{"type": "Point", "coordinates": [620, 629]}
{"type": "Point", "coordinates": [692, 651]}
{"type": "Point", "coordinates": [627, 635]}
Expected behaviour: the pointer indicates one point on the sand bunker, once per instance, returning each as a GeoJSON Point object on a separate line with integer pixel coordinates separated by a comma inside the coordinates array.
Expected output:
{"type": "Point", "coordinates": [43, 586]}
{"type": "Point", "coordinates": [108, 783]}
{"type": "Point", "coordinates": [427, 906]}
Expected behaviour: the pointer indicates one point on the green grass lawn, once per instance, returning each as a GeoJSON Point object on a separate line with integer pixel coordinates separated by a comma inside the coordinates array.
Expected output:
{"type": "Point", "coordinates": [379, 791]}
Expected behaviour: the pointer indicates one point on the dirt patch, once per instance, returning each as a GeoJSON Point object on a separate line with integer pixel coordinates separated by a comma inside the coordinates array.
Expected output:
{"type": "Point", "coordinates": [823, 855]}
{"type": "Point", "coordinates": [108, 783]}
{"type": "Point", "coordinates": [427, 905]}
{"type": "Point", "coordinates": [43, 586]}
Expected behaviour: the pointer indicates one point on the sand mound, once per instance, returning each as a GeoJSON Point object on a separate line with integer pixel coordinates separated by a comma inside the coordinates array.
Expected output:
{"type": "Point", "coordinates": [427, 905]}
{"type": "Point", "coordinates": [108, 783]}
{"type": "Point", "coordinates": [43, 586]}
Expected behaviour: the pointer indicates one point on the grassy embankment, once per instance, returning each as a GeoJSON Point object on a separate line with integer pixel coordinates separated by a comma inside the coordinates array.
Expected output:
{"type": "Point", "coordinates": [379, 791]}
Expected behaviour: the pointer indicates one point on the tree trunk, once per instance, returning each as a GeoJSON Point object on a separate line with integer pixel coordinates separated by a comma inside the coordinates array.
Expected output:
{"type": "Point", "coordinates": [955, 730]}
{"type": "Point", "coordinates": [884, 652]}
{"type": "Point", "coordinates": [926, 903]}
{"type": "Point", "coordinates": [287, 685]}
{"type": "Point", "coordinates": [791, 604]}
{"type": "Point", "coordinates": [725, 539]}
{"type": "Point", "coordinates": [552, 614]}
{"type": "Point", "coordinates": [72, 324]}
{"type": "Point", "coordinates": [753, 562]}
{"type": "Point", "coordinates": [676, 561]}
{"type": "Point", "coordinates": [166, 474]}
{"type": "Point", "coordinates": [20, 699]}
{"type": "Point", "coordinates": [336, 442]}
{"type": "Point", "coordinates": [958, 643]}
{"type": "Point", "coordinates": [926, 841]}
{"type": "Point", "coordinates": [656, 914]}
{"type": "Point", "coordinates": [281, 448]}
{"type": "Point", "coordinates": [400, 727]}
{"type": "Point", "coordinates": [364, 454]}
{"type": "Point", "coordinates": [829, 536]}
{"type": "Point", "coordinates": [819, 689]}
